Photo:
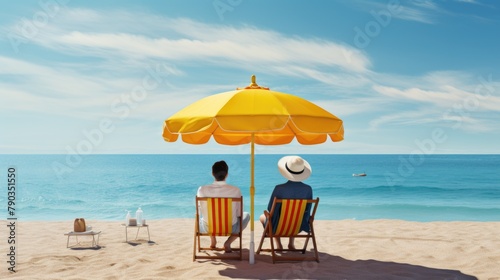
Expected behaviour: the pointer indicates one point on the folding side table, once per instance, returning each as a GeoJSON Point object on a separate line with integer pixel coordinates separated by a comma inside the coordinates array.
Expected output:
{"type": "Point", "coordinates": [137, 233]}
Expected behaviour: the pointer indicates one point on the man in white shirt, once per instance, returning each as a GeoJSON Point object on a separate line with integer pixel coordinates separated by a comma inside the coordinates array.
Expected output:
{"type": "Point", "coordinates": [219, 188]}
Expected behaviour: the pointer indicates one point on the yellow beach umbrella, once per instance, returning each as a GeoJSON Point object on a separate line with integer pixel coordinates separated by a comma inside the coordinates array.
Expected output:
{"type": "Point", "coordinates": [253, 115]}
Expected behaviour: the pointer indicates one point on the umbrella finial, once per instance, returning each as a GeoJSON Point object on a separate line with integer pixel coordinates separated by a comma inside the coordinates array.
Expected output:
{"type": "Point", "coordinates": [253, 85]}
{"type": "Point", "coordinates": [253, 81]}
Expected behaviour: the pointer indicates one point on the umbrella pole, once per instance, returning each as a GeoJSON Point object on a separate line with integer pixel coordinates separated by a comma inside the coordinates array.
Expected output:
{"type": "Point", "coordinates": [251, 258]}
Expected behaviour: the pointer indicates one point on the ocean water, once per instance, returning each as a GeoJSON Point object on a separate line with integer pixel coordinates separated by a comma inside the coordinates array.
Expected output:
{"type": "Point", "coordinates": [103, 187]}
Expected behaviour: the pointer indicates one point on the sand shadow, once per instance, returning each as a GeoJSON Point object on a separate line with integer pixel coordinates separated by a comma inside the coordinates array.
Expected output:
{"type": "Point", "coordinates": [96, 247]}
{"type": "Point", "coordinates": [335, 267]}
{"type": "Point", "coordinates": [140, 242]}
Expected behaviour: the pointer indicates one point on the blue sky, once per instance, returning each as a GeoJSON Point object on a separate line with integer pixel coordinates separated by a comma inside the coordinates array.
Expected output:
{"type": "Point", "coordinates": [408, 77]}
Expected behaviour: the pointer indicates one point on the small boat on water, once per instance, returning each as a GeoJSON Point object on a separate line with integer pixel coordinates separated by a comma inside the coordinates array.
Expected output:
{"type": "Point", "coordinates": [359, 174]}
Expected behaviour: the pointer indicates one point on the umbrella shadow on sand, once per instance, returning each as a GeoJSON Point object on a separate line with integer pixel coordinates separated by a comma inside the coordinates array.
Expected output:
{"type": "Point", "coordinates": [335, 267]}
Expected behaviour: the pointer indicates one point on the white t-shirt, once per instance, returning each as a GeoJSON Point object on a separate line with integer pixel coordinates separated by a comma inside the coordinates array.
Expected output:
{"type": "Point", "coordinates": [219, 189]}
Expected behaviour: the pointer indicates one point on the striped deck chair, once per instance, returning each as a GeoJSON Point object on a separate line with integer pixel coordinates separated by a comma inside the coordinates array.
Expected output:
{"type": "Point", "coordinates": [290, 219]}
{"type": "Point", "coordinates": [220, 217]}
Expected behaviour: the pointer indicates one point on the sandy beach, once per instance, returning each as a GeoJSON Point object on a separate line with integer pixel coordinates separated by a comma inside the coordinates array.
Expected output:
{"type": "Point", "coordinates": [372, 249]}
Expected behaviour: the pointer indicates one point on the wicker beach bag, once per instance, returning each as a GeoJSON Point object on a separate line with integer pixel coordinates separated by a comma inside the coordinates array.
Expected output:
{"type": "Point", "coordinates": [79, 225]}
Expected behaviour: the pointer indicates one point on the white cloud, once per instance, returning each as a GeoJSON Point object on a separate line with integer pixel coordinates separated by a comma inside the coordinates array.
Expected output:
{"type": "Point", "coordinates": [85, 32]}
{"type": "Point", "coordinates": [61, 82]}
{"type": "Point", "coordinates": [428, 4]}
{"type": "Point", "coordinates": [447, 96]}
{"type": "Point", "coordinates": [468, 1]}
{"type": "Point", "coordinates": [403, 118]}
{"type": "Point", "coordinates": [338, 79]}
{"type": "Point", "coordinates": [117, 49]}
{"type": "Point", "coordinates": [422, 11]}
{"type": "Point", "coordinates": [415, 14]}
{"type": "Point", "coordinates": [448, 99]}
{"type": "Point", "coordinates": [101, 57]}
{"type": "Point", "coordinates": [353, 106]}
{"type": "Point", "coordinates": [418, 94]}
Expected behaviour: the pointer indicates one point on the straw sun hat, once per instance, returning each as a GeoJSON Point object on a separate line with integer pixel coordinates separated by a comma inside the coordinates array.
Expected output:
{"type": "Point", "coordinates": [294, 168]}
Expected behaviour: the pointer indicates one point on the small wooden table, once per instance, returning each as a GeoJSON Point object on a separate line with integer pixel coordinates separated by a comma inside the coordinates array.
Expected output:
{"type": "Point", "coordinates": [95, 242]}
{"type": "Point", "coordinates": [138, 228]}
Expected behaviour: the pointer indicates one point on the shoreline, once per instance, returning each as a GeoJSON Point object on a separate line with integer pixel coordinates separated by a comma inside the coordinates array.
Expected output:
{"type": "Point", "coordinates": [349, 249]}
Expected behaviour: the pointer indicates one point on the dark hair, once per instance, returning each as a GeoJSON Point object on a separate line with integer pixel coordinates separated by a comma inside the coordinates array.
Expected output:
{"type": "Point", "coordinates": [219, 170]}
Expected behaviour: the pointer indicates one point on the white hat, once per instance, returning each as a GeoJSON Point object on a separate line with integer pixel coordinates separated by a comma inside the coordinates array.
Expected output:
{"type": "Point", "coordinates": [294, 168]}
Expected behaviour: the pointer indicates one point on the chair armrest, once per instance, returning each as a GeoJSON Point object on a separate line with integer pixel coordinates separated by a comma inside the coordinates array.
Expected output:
{"type": "Point", "coordinates": [266, 213]}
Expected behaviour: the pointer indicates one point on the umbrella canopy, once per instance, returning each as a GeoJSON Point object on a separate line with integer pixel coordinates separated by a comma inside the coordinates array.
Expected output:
{"type": "Point", "coordinates": [254, 115]}
{"type": "Point", "coordinates": [275, 118]}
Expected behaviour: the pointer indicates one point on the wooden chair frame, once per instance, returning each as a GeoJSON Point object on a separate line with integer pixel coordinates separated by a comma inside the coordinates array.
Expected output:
{"type": "Point", "coordinates": [218, 230]}
{"type": "Point", "coordinates": [290, 223]}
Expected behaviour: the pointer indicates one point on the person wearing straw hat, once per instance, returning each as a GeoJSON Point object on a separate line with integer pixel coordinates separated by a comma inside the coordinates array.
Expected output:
{"type": "Point", "coordinates": [295, 169]}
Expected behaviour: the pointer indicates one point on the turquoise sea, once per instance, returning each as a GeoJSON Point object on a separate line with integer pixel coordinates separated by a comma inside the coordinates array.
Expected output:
{"type": "Point", "coordinates": [102, 187]}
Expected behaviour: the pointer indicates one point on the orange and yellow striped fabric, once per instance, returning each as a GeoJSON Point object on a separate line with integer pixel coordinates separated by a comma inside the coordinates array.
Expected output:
{"type": "Point", "coordinates": [292, 213]}
{"type": "Point", "coordinates": [220, 212]}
